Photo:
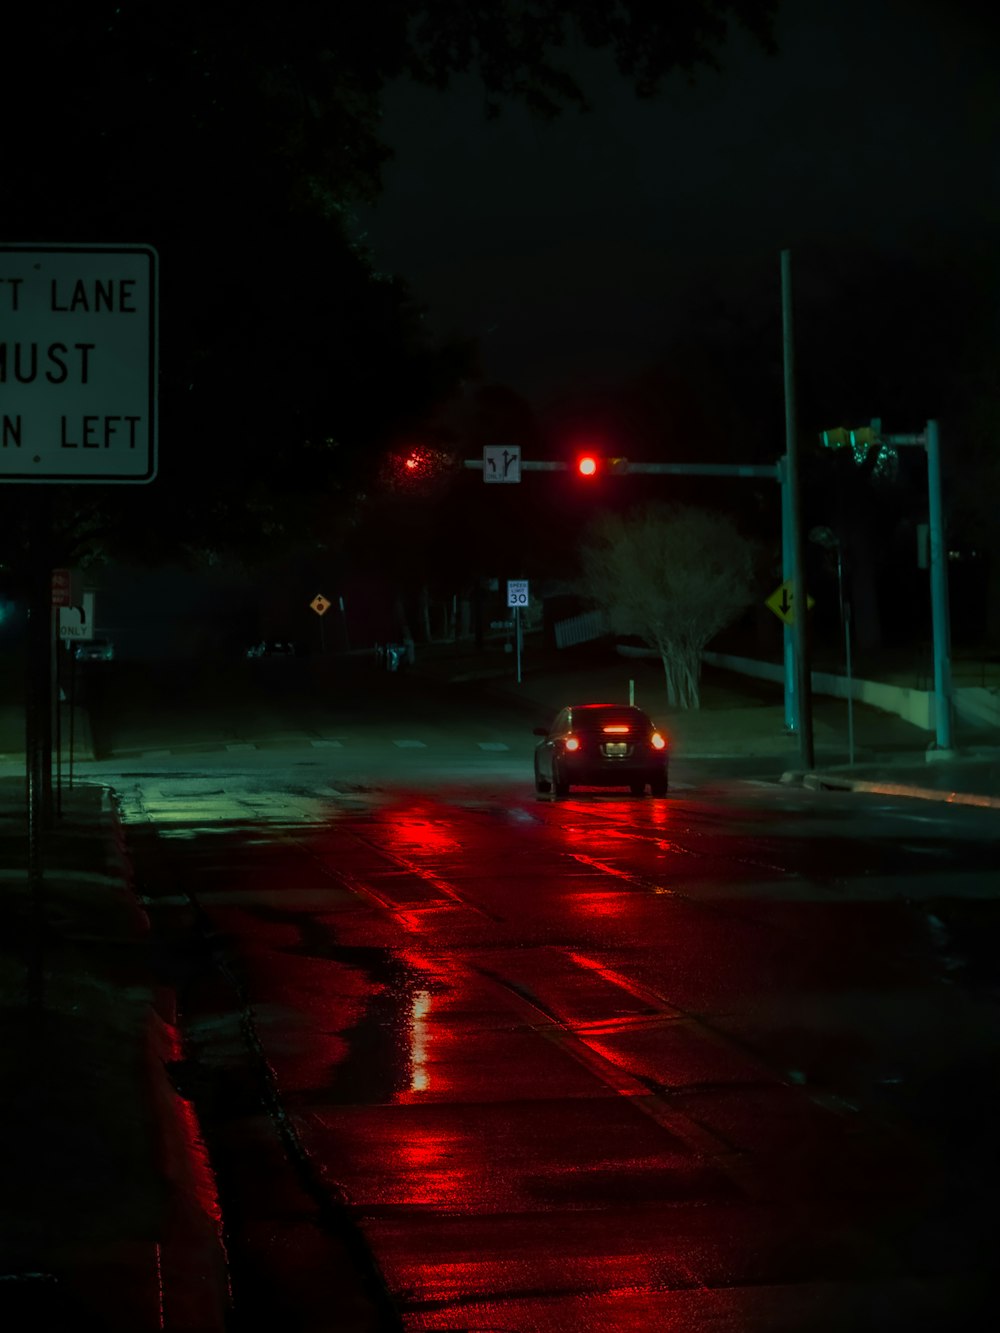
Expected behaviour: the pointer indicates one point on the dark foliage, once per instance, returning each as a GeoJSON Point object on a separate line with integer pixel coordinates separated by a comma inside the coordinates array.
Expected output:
{"type": "Point", "coordinates": [235, 138]}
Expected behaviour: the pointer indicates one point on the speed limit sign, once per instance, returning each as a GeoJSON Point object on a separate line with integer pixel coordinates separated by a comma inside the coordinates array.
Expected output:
{"type": "Point", "coordinates": [517, 592]}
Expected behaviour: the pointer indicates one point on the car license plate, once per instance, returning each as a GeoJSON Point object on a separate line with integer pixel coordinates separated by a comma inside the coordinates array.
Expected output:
{"type": "Point", "coordinates": [616, 749]}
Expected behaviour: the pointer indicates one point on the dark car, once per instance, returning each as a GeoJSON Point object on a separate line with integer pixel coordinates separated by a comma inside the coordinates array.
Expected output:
{"type": "Point", "coordinates": [272, 648]}
{"type": "Point", "coordinates": [94, 650]}
{"type": "Point", "coordinates": [601, 745]}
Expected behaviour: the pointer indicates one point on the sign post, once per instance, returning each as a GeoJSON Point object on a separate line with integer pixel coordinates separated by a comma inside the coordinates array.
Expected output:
{"type": "Point", "coordinates": [517, 596]}
{"type": "Point", "coordinates": [78, 391]}
{"type": "Point", "coordinates": [321, 605]}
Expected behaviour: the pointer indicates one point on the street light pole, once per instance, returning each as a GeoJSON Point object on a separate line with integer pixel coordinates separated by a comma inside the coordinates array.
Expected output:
{"type": "Point", "coordinates": [939, 594]}
{"type": "Point", "coordinates": [788, 631]}
{"type": "Point", "coordinates": [803, 682]}
{"type": "Point", "coordinates": [829, 540]}
{"type": "Point", "coordinates": [845, 615]}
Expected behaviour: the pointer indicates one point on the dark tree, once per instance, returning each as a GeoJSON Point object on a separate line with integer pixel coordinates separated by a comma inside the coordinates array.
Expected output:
{"type": "Point", "coordinates": [235, 138]}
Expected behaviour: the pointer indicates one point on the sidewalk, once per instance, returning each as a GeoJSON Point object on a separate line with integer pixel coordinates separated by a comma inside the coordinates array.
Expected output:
{"type": "Point", "coordinates": [741, 718]}
{"type": "Point", "coordinates": [106, 1212]}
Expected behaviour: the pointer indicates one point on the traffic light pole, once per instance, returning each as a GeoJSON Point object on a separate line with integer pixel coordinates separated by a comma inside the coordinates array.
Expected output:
{"type": "Point", "coordinates": [865, 437]}
{"type": "Point", "coordinates": [930, 442]}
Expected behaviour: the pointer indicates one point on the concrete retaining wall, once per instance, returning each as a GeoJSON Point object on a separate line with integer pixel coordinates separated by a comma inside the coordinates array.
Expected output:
{"type": "Point", "coordinates": [916, 706]}
{"type": "Point", "coordinates": [978, 707]}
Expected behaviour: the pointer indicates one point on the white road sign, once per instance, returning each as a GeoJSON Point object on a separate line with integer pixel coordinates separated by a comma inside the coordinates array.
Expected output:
{"type": "Point", "coordinates": [517, 592]}
{"type": "Point", "coordinates": [78, 368]}
{"type": "Point", "coordinates": [77, 622]}
{"type": "Point", "coordinates": [502, 462]}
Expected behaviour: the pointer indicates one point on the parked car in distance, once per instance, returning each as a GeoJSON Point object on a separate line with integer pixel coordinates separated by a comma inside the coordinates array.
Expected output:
{"type": "Point", "coordinates": [601, 745]}
{"type": "Point", "coordinates": [272, 648]}
{"type": "Point", "coordinates": [94, 650]}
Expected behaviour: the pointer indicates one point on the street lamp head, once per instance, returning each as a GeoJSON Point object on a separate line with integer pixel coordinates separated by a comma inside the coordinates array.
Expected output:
{"type": "Point", "coordinates": [824, 537]}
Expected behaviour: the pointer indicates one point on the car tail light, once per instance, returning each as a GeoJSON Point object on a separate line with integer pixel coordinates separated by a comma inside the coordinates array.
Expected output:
{"type": "Point", "coordinates": [572, 742]}
{"type": "Point", "coordinates": [616, 730]}
{"type": "Point", "coordinates": [657, 741]}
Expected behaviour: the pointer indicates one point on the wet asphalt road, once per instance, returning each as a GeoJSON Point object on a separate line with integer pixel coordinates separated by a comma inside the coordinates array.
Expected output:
{"type": "Point", "coordinates": [468, 1060]}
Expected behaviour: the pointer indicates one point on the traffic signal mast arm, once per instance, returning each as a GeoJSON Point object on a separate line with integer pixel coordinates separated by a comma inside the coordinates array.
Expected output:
{"type": "Point", "coordinates": [770, 470]}
{"type": "Point", "coordinates": [866, 436]}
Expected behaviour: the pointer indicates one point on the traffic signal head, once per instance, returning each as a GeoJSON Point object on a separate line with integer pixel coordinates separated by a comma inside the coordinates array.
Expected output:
{"type": "Point", "coordinates": [860, 438]}
{"type": "Point", "coordinates": [595, 465]}
{"type": "Point", "coordinates": [412, 470]}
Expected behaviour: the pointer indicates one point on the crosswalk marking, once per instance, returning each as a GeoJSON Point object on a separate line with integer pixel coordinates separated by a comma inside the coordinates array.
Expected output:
{"type": "Point", "coordinates": [410, 745]}
{"type": "Point", "coordinates": [493, 745]}
{"type": "Point", "coordinates": [327, 745]}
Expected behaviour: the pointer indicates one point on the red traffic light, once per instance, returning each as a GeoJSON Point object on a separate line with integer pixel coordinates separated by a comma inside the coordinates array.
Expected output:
{"type": "Point", "coordinates": [586, 465]}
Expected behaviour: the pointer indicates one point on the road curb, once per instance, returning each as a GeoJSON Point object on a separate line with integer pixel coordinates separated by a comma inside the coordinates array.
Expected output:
{"type": "Point", "coordinates": [194, 1282]}
{"type": "Point", "coordinates": [831, 782]}
{"type": "Point", "coordinates": [188, 1284]}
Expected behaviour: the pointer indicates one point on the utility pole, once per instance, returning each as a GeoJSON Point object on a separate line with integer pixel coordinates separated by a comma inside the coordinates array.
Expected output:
{"type": "Point", "coordinates": [803, 682]}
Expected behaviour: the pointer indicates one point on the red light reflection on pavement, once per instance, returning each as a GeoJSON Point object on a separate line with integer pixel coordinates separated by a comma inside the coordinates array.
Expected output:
{"type": "Point", "coordinates": [430, 1159]}
{"type": "Point", "coordinates": [609, 974]}
{"type": "Point", "coordinates": [425, 1069]}
{"type": "Point", "coordinates": [420, 1079]}
{"type": "Point", "coordinates": [606, 868]}
{"type": "Point", "coordinates": [413, 830]}
{"type": "Point", "coordinates": [603, 905]}
{"type": "Point", "coordinates": [414, 842]}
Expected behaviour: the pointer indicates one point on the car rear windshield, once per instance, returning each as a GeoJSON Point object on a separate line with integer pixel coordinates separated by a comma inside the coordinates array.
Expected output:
{"type": "Point", "coordinates": [594, 717]}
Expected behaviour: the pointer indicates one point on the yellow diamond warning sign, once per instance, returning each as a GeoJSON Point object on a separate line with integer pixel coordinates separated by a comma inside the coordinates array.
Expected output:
{"type": "Point", "coordinates": [782, 602]}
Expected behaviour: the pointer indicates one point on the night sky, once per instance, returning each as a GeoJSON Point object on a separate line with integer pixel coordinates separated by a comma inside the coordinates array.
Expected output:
{"type": "Point", "coordinates": [577, 250]}
{"type": "Point", "coordinates": [630, 251]}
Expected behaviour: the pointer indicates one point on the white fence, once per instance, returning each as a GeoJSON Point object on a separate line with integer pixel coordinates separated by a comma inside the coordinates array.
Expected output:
{"type": "Point", "coordinates": [581, 629]}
